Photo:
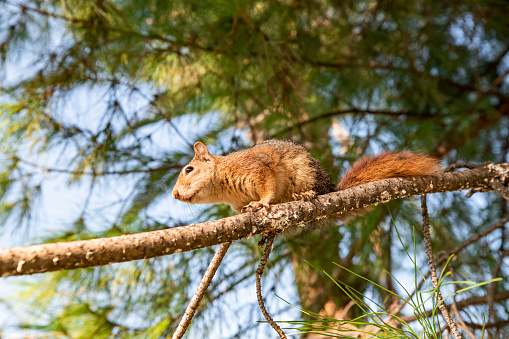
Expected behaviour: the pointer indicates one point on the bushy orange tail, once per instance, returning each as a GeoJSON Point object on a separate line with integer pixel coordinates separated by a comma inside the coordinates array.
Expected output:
{"type": "Point", "coordinates": [388, 165]}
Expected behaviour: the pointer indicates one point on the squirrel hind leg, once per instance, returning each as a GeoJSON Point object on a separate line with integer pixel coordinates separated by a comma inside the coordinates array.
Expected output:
{"type": "Point", "coordinates": [305, 196]}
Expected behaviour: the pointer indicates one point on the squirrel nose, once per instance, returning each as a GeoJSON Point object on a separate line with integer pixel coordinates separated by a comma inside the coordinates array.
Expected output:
{"type": "Point", "coordinates": [176, 194]}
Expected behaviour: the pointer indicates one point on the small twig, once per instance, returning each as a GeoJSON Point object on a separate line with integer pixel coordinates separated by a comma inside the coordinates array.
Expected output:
{"type": "Point", "coordinates": [457, 165]}
{"type": "Point", "coordinates": [259, 272]}
{"type": "Point", "coordinates": [461, 323]}
{"type": "Point", "coordinates": [92, 173]}
{"type": "Point", "coordinates": [498, 186]}
{"type": "Point", "coordinates": [492, 288]}
{"type": "Point", "coordinates": [200, 291]}
{"type": "Point", "coordinates": [454, 310]}
{"type": "Point", "coordinates": [442, 329]}
{"type": "Point", "coordinates": [475, 190]}
{"type": "Point", "coordinates": [298, 124]}
{"type": "Point", "coordinates": [432, 268]}
{"type": "Point", "coordinates": [462, 304]}
{"type": "Point", "coordinates": [497, 325]}
{"type": "Point", "coordinates": [444, 255]}
{"type": "Point", "coordinates": [466, 165]}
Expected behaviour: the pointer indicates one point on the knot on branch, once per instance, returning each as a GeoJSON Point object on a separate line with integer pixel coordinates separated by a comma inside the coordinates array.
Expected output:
{"type": "Point", "coordinates": [500, 172]}
{"type": "Point", "coordinates": [498, 181]}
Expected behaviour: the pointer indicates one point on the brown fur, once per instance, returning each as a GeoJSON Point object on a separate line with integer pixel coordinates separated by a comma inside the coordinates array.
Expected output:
{"type": "Point", "coordinates": [388, 165]}
{"type": "Point", "coordinates": [276, 171]}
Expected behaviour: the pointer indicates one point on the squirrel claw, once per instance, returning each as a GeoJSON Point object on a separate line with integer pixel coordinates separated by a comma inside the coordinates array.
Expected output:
{"type": "Point", "coordinates": [255, 206]}
{"type": "Point", "coordinates": [305, 196]}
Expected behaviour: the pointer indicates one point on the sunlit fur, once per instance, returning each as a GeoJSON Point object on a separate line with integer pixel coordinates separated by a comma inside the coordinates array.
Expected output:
{"type": "Point", "coordinates": [268, 173]}
{"type": "Point", "coordinates": [198, 186]}
{"type": "Point", "coordinates": [388, 165]}
{"type": "Point", "coordinates": [274, 170]}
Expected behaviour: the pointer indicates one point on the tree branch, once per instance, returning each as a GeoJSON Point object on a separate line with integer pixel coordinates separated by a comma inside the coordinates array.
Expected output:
{"type": "Point", "coordinates": [411, 114]}
{"type": "Point", "coordinates": [501, 296]}
{"type": "Point", "coordinates": [444, 255]}
{"type": "Point", "coordinates": [433, 271]}
{"type": "Point", "coordinates": [498, 324]}
{"type": "Point", "coordinates": [200, 291]}
{"type": "Point", "coordinates": [259, 272]}
{"type": "Point", "coordinates": [105, 251]}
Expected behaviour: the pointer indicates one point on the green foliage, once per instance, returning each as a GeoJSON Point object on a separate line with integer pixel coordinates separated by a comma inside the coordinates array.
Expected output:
{"type": "Point", "coordinates": [379, 321]}
{"type": "Point", "coordinates": [104, 99]}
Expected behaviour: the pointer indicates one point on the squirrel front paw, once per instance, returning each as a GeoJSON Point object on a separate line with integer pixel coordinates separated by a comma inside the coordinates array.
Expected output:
{"type": "Point", "coordinates": [306, 196]}
{"type": "Point", "coordinates": [255, 206]}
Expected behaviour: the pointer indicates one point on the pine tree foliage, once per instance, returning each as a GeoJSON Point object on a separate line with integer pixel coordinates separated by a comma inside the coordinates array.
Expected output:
{"type": "Point", "coordinates": [105, 99]}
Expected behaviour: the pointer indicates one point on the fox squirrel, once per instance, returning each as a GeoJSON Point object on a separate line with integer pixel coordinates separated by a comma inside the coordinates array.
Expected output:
{"type": "Point", "coordinates": [277, 171]}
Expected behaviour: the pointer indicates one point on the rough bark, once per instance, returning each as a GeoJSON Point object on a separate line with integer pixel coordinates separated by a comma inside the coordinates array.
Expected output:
{"type": "Point", "coordinates": [433, 271]}
{"type": "Point", "coordinates": [105, 251]}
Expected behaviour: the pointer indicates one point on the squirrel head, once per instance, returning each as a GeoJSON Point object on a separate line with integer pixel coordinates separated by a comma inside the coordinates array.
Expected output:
{"type": "Point", "coordinates": [195, 184]}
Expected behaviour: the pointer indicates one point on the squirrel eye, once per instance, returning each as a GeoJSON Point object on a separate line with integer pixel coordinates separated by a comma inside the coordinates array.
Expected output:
{"type": "Point", "coordinates": [189, 169]}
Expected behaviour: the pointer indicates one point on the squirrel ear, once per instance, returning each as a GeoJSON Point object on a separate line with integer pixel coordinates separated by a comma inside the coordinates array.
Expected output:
{"type": "Point", "coordinates": [201, 151]}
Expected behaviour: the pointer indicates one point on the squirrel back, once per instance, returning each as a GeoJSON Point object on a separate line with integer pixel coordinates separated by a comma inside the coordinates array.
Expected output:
{"type": "Point", "coordinates": [276, 171]}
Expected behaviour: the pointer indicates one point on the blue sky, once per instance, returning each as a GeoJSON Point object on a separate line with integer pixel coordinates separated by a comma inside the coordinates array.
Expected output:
{"type": "Point", "coordinates": [60, 203]}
